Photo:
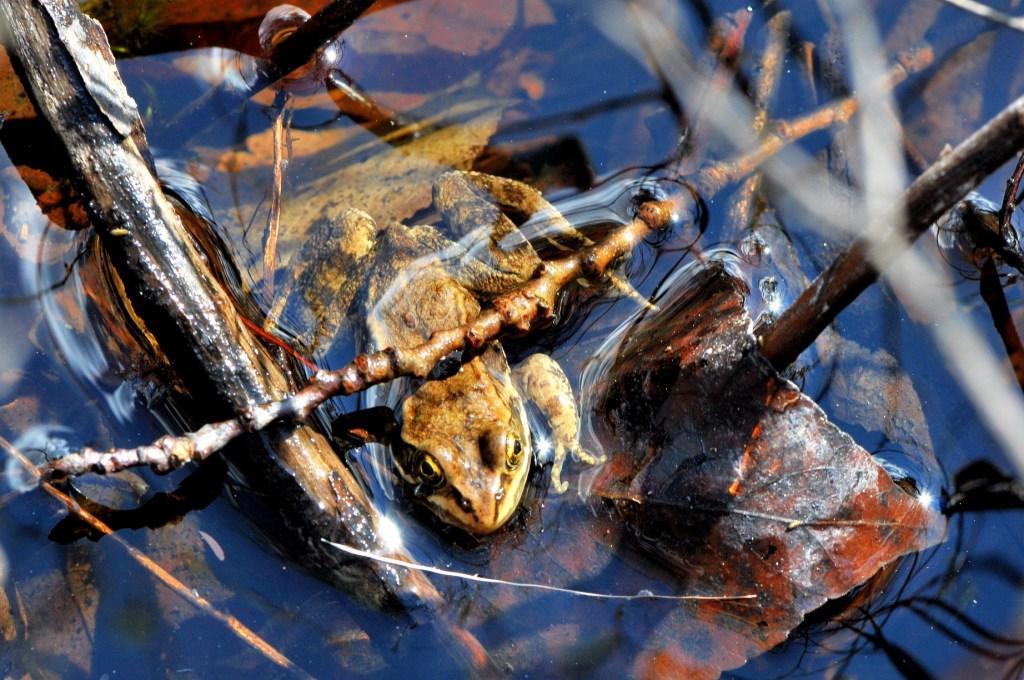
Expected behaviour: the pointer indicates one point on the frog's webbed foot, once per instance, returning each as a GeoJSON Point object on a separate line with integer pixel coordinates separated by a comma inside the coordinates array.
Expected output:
{"type": "Point", "coordinates": [472, 199]}
{"type": "Point", "coordinates": [541, 380]}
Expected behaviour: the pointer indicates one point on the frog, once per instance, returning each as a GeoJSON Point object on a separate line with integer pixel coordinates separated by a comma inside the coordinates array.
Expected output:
{"type": "Point", "coordinates": [464, 448]}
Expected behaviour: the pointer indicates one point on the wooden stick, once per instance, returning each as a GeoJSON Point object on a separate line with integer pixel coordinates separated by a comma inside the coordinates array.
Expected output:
{"type": "Point", "coordinates": [992, 293]}
{"type": "Point", "coordinates": [931, 194]}
{"type": "Point", "coordinates": [302, 45]}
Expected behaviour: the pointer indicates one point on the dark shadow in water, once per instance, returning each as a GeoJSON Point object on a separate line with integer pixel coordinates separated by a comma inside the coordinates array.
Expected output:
{"type": "Point", "coordinates": [197, 491]}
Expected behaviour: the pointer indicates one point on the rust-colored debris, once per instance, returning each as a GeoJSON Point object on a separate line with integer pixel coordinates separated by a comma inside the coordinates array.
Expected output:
{"type": "Point", "coordinates": [729, 475]}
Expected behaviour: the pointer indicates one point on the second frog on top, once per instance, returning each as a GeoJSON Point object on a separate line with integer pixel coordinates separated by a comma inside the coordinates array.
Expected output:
{"type": "Point", "coordinates": [465, 445]}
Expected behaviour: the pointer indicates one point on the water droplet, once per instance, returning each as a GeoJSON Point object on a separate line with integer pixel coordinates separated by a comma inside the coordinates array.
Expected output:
{"type": "Point", "coordinates": [279, 23]}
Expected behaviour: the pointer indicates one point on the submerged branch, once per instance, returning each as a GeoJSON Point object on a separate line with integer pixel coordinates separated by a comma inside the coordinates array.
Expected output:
{"type": "Point", "coordinates": [301, 46]}
{"type": "Point", "coordinates": [1002, 318]}
{"type": "Point", "coordinates": [515, 312]}
{"type": "Point", "coordinates": [782, 134]}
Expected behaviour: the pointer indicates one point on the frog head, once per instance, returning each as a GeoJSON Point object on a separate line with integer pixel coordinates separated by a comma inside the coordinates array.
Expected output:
{"type": "Point", "coordinates": [466, 445]}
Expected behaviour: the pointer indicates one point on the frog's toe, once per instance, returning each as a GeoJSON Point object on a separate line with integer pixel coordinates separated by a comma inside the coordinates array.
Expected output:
{"type": "Point", "coordinates": [581, 456]}
{"type": "Point", "coordinates": [625, 288]}
{"type": "Point", "coordinates": [558, 485]}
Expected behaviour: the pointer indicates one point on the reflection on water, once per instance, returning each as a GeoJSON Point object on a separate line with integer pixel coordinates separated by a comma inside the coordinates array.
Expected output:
{"type": "Point", "coordinates": [575, 109]}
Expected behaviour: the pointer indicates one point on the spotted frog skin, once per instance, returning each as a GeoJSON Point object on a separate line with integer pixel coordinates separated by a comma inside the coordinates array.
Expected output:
{"type": "Point", "coordinates": [466, 447]}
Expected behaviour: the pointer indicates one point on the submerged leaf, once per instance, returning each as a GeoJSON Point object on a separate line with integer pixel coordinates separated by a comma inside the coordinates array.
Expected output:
{"type": "Point", "coordinates": [448, 25]}
{"type": "Point", "coordinates": [728, 474]}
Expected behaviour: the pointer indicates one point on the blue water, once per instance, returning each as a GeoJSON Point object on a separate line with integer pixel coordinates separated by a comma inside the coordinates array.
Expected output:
{"type": "Point", "coordinates": [74, 384]}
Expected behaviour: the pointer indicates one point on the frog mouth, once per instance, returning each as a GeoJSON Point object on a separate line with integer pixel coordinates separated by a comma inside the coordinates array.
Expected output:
{"type": "Point", "coordinates": [450, 506]}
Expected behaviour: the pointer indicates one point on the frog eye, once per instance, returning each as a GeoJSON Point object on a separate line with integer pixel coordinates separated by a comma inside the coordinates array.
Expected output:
{"type": "Point", "coordinates": [429, 470]}
{"type": "Point", "coordinates": [513, 452]}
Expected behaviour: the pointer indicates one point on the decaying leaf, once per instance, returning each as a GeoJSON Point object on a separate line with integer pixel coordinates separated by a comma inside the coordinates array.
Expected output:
{"type": "Point", "coordinates": [29, 200]}
{"type": "Point", "coordinates": [180, 549]}
{"type": "Point", "coordinates": [57, 612]}
{"type": "Point", "coordinates": [145, 26]}
{"type": "Point", "coordinates": [737, 481]}
{"type": "Point", "coordinates": [14, 101]}
{"type": "Point", "coordinates": [952, 106]}
{"type": "Point", "coordinates": [202, 12]}
{"type": "Point", "coordinates": [870, 389]}
{"type": "Point", "coordinates": [450, 25]}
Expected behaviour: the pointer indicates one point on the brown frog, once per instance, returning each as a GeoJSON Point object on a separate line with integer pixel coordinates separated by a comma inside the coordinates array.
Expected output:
{"type": "Point", "coordinates": [466, 447]}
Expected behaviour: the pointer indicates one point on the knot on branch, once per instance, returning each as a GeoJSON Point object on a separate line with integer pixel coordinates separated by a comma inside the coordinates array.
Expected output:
{"type": "Point", "coordinates": [246, 417]}
{"type": "Point", "coordinates": [177, 450]}
{"type": "Point", "coordinates": [656, 214]}
{"type": "Point", "coordinates": [475, 338]}
{"type": "Point", "coordinates": [591, 265]}
{"type": "Point", "coordinates": [518, 310]}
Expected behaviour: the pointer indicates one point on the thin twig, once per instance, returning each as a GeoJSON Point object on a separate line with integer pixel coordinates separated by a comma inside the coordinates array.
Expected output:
{"type": "Point", "coordinates": [764, 92]}
{"type": "Point", "coordinates": [930, 195]}
{"type": "Point", "coordinates": [476, 578]}
{"type": "Point", "coordinates": [1002, 319]}
{"type": "Point", "coordinates": [189, 594]}
{"type": "Point", "coordinates": [770, 68]}
{"type": "Point", "coordinates": [513, 312]}
{"type": "Point", "coordinates": [274, 218]}
{"type": "Point", "coordinates": [988, 13]}
{"type": "Point", "coordinates": [712, 178]}
{"type": "Point", "coordinates": [1011, 198]}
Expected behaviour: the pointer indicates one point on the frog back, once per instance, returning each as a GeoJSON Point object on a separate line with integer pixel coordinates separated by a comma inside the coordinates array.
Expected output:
{"type": "Point", "coordinates": [409, 293]}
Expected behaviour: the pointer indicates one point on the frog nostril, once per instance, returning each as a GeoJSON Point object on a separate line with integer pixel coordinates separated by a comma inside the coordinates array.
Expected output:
{"type": "Point", "coordinates": [489, 450]}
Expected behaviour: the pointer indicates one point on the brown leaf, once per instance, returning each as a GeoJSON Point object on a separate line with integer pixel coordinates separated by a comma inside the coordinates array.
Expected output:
{"type": "Point", "coordinates": [147, 26]}
{"type": "Point", "coordinates": [14, 101]}
{"type": "Point", "coordinates": [59, 616]}
{"type": "Point", "coordinates": [450, 25]}
{"type": "Point", "coordinates": [871, 390]}
{"type": "Point", "coordinates": [743, 487]}
{"type": "Point", "coordinates": [952, 104]}
{"type": "Point", "coordinates": [179, 548]}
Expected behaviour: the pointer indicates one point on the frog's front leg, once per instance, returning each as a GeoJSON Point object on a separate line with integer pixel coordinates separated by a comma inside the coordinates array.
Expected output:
{"type": "Point", "coordinates": [541, 380]}
{"type": "Point", "coordinates": [475, 201]}
{"type": "Point", "coordinates": [496, 258]}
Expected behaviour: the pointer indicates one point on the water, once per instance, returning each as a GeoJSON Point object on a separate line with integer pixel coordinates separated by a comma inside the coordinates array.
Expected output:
{"type": "Point", "coordinates": [581, 111]}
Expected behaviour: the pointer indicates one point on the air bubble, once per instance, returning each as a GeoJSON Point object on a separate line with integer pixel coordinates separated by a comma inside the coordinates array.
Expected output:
{"type": "Point", "coordinates": [279, 23]}
{"type": "Point", "coordinates": [682, 201]}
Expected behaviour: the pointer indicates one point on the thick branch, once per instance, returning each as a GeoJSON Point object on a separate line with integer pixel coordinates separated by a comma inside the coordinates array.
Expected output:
{"type": "Point", "coordinates": [932, 194]}
{"type": "Point", "coordinates": [187, 310]}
